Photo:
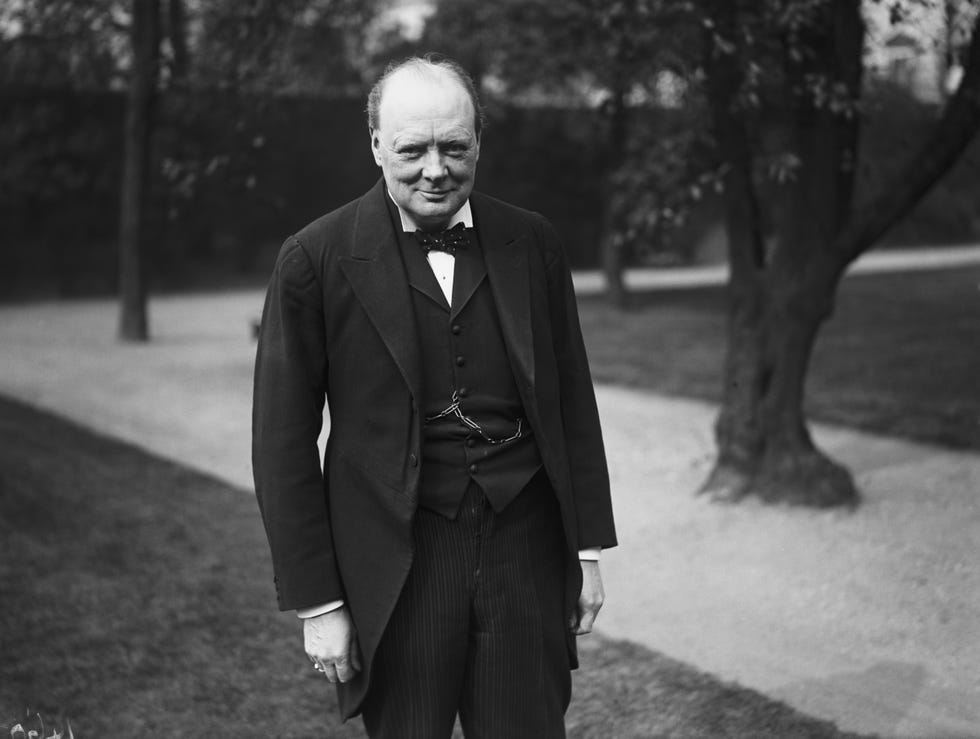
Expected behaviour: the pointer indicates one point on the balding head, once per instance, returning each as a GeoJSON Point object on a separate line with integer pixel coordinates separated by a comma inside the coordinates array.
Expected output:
{"type": "Point", "coordinates": [431, 68]}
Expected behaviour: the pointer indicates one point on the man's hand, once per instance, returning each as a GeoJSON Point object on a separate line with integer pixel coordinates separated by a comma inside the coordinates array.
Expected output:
{"type": "Point", "coordinates": [331, 642]}
{"type": "Point", "coordinates": [590, 599]}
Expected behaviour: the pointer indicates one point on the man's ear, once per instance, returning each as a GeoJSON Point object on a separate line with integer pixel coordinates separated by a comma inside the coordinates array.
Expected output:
{"type": "Point", "coordinates": [376, 146]}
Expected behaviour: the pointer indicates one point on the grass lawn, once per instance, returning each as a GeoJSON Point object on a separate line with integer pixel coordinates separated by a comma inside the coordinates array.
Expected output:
{"type": "Point", "coordinates": [136, 598]}
{"type": "Point", "coordinates": [901, 355]}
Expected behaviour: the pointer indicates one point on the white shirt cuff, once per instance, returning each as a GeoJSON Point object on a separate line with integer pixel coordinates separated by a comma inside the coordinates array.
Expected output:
{"type": "Point", "coordinates": [320, 609]}
{"type": "Point", "coordinates": [590, 555]}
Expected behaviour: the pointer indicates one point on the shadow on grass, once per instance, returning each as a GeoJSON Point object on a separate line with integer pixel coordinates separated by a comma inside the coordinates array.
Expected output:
{"type": "Point", "coordinates": [137, 600]}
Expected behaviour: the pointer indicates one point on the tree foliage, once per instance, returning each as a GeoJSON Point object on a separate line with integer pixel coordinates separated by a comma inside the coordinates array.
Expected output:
{"type": "Point", "coordinates": [283, 46]}
{"type": "Point", "coordinates": [62, 43]}
{"type": "Point", "coordinates": [280, 46]}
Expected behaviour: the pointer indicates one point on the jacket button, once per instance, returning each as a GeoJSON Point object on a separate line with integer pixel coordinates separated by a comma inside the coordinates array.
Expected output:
{"type": "Point", "coordinates": [460, 361]}
{"type": "Point", "coordinates": [456, 329]}
{"type": "Point", "coordinates": [463, 392]}
{"type": "Point", "coordinates": [471, 443]}
{"type": "Point", "coordinates": [473, 469]}
{"type": "Point", "coordinates": [413, 460]}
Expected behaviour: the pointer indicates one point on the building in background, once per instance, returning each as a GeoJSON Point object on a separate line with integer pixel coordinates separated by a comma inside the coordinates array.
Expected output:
{"type": "Point", "coordinates": [921, 48]}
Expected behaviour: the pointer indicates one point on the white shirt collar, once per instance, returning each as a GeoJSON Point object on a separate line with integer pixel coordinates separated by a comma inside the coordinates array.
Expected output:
{"type": "Point", "coordinates": [464, 215]}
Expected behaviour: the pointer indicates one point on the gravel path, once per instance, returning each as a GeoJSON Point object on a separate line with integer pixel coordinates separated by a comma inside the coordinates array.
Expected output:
{"type": "Point", "coordinates": [870, 619]}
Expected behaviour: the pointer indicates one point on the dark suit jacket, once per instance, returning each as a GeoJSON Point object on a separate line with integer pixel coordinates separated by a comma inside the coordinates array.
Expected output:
{"type": "Point", "coordinates": [338, 324]}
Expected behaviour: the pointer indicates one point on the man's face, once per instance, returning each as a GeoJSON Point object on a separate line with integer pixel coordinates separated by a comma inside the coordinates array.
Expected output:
{"type": "Point", "coordinates": [426, 146]}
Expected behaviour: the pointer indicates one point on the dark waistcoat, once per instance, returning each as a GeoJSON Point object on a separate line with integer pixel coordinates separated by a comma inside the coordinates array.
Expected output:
{"type": "Point", "coordinates": [464, 361]}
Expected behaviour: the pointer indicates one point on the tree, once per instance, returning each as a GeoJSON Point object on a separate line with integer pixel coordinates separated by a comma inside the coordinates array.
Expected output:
{"type": "Point", "coordinates": [140, 100]}
{"type": "Point", "coordinates": [784, 85]}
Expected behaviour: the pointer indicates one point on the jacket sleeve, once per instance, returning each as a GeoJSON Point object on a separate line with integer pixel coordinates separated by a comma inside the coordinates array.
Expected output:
{"type": "Point", "coordinates": [287, 413]}
{"type": "Point", "coordinates": [580, 415]}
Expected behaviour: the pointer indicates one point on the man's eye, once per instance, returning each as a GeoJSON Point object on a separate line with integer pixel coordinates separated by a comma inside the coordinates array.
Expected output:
{"type": "Point", "coordinates": [456, 150]}
{"type": "Point", "coordinates": [411, 153]}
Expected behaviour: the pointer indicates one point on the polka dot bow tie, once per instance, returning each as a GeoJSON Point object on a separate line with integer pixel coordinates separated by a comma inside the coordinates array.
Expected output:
{"type": "Point", "coordinates": [448, 241]}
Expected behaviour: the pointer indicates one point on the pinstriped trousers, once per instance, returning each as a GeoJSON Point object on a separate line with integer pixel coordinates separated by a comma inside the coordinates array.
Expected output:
{"type": "Point", "coordinates": [479, 628]}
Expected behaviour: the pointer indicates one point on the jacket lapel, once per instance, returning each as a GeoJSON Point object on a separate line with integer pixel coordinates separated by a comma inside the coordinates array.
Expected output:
{"type": "Point", "coordinates": [467, 276]}
{"type": "Point", "coordinates": [377, 276]}
{"type": "Point", "coordinates": [505, 252]}
{"type": "Point", "coordinates": [421, 277]}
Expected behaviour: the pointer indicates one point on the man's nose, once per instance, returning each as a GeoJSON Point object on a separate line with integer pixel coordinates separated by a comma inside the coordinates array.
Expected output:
{"type": "Point", "coordinates": [434, 165]}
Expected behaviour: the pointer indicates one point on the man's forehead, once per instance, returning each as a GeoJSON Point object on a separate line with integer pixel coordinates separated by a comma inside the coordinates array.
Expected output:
{"type": "Point", "coordinates": [409, 96]}
{"type": "Point", "coordinates": [421, 76]}
{"type": "Point", "coordinates": [428, 128]}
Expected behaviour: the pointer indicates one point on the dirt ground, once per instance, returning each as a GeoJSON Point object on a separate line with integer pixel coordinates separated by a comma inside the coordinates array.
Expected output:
{"type": "Point", "coordinates": [870, 619]}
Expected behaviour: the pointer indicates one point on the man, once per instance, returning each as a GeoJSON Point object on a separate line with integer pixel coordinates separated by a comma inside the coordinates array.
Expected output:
{"type": "Point", "coordinates": [435, 559]}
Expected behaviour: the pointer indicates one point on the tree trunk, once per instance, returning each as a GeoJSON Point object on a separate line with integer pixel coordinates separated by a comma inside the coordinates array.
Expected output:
{"type": "Point", "coordinates": [177, 35]}
{"type": "Point", "coordinates": [779, 298]}
{"type": "Point", "coordinates": [145, 35]}
{"type": "Point", "coordinates": [612, 269]}
{"type": "Point", "coordinates": [764, 445]}
{"type": "Point", "coordinates": [738, 429]}
{"type": "Point", "coordinates": [791, 468]}
{"type": "Point", "coordinates": [611, 246]}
